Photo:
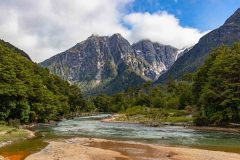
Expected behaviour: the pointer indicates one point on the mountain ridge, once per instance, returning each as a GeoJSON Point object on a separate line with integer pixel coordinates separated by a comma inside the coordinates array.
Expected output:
{"type": "Point", "coordinates": [99, 61]}
{"type": "Point", "coordinates": [15, 49]}
{"type": "Point", "coordinates": [226, 34]}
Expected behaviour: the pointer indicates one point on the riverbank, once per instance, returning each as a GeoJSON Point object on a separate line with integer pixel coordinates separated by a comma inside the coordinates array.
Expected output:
{"type": "Point", "coordinates": [10, 135]}
{"type": "Point", "coordinates": [153, 117]}
{"type": "Point", "coordinates": [119, 118]}
{"type": "Point", "coordinates": [101, 149]}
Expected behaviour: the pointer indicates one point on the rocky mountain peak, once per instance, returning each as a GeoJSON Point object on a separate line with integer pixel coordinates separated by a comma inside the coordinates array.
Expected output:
{"type": "Point", "coordinates": [234, 19]}
{"type": "Point", "coordinates": [145, 46]}
{"type": "Point", "coordinates": [97, 38]}
{"type": "Point", "coordinates": [101, 62]}
{"type": "Point", "coordinates": [117, 36]}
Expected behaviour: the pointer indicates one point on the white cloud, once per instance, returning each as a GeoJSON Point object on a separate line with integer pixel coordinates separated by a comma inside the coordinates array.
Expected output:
{"type": "Point", "coordinates": [161, 27]}
{"type": "Point", "coordinates": [44, 28]}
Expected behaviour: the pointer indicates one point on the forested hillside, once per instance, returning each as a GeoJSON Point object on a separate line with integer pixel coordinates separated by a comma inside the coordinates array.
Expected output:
{"type": "Point", "coordinates": [29, 93]}
{"type": "Point", "coordinates": [14, 49]}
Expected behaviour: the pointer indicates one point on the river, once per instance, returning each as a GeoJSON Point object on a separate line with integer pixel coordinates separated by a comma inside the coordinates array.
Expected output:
{"type": "Point", "coordinates": [91, 126]}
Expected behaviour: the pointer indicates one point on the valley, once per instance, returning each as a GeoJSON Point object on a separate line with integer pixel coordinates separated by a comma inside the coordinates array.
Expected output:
{"type": "Point", "coordinates": [114, 97]}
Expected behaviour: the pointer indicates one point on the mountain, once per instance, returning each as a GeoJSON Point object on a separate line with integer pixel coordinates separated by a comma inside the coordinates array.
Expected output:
{"type": "Point", "coordinates": [159, 57]}
{"type": "Point", "coordinates": [227, 34]}
{"type": "Point", "coordinates": [111, 64]}
{"type": "Point", "coordinates": [29, 93]}
{"type": "Point", "coordinates": [14, 49]}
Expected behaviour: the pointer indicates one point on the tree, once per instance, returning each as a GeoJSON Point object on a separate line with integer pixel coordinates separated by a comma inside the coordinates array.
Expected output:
{"type": "Point", "coordinates": [102, 103]}
{"type": "Point", "coordinates": [217, 84]}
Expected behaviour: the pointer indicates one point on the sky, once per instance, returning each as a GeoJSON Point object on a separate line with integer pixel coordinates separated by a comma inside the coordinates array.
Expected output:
{"type": "Point", "coordinates": [46, 27]}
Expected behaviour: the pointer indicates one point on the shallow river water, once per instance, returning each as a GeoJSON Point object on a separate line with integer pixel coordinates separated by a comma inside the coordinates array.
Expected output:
{"type": "Point", "coordinates": [91, 126]}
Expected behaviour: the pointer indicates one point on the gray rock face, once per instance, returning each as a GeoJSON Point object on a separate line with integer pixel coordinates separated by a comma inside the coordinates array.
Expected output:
{"type": "Point", "coordinates": [101, 62]}
{"type": "Point", "coordinates": [227, 34]}
{"type": "Point", "coordinates": [159, 57]}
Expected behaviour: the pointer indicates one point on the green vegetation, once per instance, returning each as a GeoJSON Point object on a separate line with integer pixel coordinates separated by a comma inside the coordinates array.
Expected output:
{"type": "Point", "coordinates": [29, 93]}
{"type": "Point", "coordinates": [154, 115]}
{"type": "Point", "coordinates": [216, 87]}
{"type": "Point", "coordinates": [146, 104]}
{"type": "Point", "coordinates": [8, 133]}
{"type": "Point", "coordinates": [14, 49]}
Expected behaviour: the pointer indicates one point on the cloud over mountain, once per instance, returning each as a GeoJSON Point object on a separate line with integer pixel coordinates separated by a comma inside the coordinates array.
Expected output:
{"type": "Point", "coordinates": [161, 27]}
{"type": "Point", "coordinates": [44, 28]}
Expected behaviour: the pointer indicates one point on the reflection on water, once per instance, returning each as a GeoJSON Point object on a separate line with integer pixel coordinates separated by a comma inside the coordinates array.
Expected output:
{"type": "Point", "coordinates": [90, 126]}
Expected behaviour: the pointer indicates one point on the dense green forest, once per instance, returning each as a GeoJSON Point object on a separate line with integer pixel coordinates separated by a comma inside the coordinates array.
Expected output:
{"type": "Point", "coordinates": [29, 93]}
{"type": "Point", "coordinates": [216, 87]}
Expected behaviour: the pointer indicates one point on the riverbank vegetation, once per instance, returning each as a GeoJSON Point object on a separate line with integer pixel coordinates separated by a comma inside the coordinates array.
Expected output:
{"type": "Point", "coordinates": [152, 105]}
{"type": "Point", "coordinates": [154, 116]}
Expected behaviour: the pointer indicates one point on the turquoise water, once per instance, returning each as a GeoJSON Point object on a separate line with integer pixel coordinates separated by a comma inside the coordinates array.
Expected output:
{"type": "Point", "coordinates": [91, 126]}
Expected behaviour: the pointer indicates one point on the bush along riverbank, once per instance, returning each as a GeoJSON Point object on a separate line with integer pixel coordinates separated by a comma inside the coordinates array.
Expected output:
{"type": "Point", "coordinates": [154, 116]}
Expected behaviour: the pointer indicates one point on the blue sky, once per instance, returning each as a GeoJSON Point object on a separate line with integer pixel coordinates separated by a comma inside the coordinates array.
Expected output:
{"type": "Point", "coordinates": [201, 14]}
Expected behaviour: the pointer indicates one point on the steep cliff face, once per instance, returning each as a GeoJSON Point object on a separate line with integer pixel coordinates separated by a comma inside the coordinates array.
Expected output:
{"type": "Point", "coordinates": [103, 63]}
{"type": "Point", "coordinates": [159, 57]}
{"type": "Point", "coordinates": [227, 34]}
